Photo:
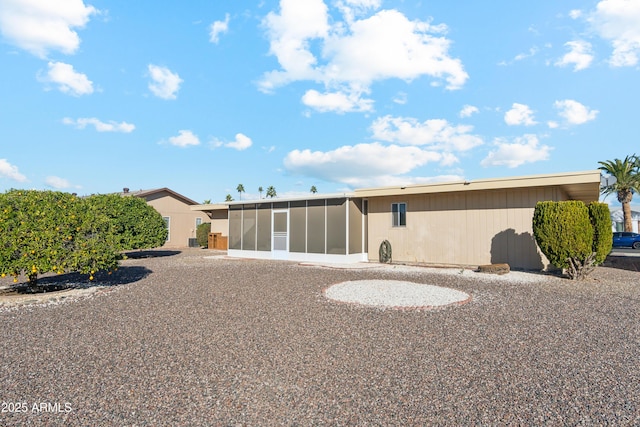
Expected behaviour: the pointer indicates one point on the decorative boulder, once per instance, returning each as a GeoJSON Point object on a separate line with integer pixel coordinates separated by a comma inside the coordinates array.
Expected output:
{"type": "Point", "coordinates": [494, 269]}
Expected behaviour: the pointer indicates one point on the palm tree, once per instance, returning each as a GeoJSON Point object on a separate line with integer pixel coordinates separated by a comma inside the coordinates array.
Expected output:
{"type": "Point", "coordinates": [313, 190]}
{"type": "Point", "coordinates": [240, 190]}
{"type": "Point", "coordinates": [271, 191]}
{"type": "Point", "coordinates": [627, 182]}
{"type": "Point", "coordinates": [260, 191]}
{"type": "Point", "coordinates": [207, 202]}
{"type": "Point", "coordinates": [229, 198]}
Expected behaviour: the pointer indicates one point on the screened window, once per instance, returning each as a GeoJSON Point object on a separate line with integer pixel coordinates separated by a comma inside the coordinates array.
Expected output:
{"type": "Point", "coordinates": [399, 214]}
{"type": "Point", "coordinates": [198, 221]}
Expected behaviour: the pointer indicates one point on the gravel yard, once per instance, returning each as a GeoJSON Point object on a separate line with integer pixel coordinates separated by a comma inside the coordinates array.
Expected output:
{"type": "Point", "coordinates": [181, 339]}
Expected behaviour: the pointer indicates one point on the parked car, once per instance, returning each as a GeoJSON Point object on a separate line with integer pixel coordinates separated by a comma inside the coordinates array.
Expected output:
{"type": "Point", "coordinates": [626, 239]}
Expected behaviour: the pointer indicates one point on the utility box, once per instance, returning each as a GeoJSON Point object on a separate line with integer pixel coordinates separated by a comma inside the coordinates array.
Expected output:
{"type": "Point", "coordinates": [218, 241]}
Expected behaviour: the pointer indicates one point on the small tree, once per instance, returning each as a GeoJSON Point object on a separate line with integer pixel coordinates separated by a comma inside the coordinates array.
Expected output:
{"type": "Point", "coordinates": [228, 198]}
{"type": "Point", "coordinates": [240, 189]}
{"type": "Point", "coordinates": [46, 231]}
{"type": "Point", "coordinates": [202, 234]}
{"type": "Point", "coordinates": [271, 191]}
{"type": "Point", "coordinates": [571, 235]}
{"type": "Point", "coordinates": [260, 190]}
{"type": "Point", "coordinates": [313, 190]}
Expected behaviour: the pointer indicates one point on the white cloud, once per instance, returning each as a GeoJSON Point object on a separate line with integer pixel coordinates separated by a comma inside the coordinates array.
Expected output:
{"type": "Point", "coordinates": [400, 98]}
{"type": "Point", "coordinates": [217, 28]}
{"type": "Point", "coordinates": [7, 170]}
{"type": "Point", "coordinates": [57, 182]}
{"type": "Point", "coordinates": [553, 124]}
{"type": "Point", "coordinates": [520, 114]}
{"type": "Point", "coordinates": [289, 33]}
{"type": "Point", "coordinates": [575, 13]}
{"type": "Point", "coordinates": [338, 102]}
{"type": "Point", "coordinates": [619, 22]}
{"type": "Point", "coordinates": [388, 45]}
{"type": "Point", "coordinates": [68, 80]}
{"type": "Point", "coordinates": [352, 8]}
{"type": "Point", "coordinates": [164, 83]}
{"type": "Point", "coordinates": [39, 26]}
{"type": "Point", "coordinates": [468, 111]}
{"type": "Point", "coordinates": [360, 164]}
{"type": "Point", "coordinates": [242, 142]}
{"type": "Point", "coordinates": [364, 4]}
{"type": "Point", "coordinates": [438, 134]}
{"type": "Point", "coordinates": [352, 53]}
{"type": "Point", "coordinates": [521, 56]}
{"type": "Point", "coordinates": [99, 125]}
{"type": "Point", "coordinates": [580, 55]}
{"type": "Point", "coordinates": [526, 149]}
{"type": "Point", "coordinates": [573, 112]}
{"type": "Point", "coordinates": [184, 139]}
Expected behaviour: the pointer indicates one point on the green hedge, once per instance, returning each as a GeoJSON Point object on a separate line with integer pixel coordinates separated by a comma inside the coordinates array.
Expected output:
{"type": "Point", "coordinates": [202, 234]}
{"type": "Point", "coordinates": [603, 234]}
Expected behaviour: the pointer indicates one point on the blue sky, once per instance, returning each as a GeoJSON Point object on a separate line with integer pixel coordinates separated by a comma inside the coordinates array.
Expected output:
{"type": "Point", "coordinates": [200, 96]}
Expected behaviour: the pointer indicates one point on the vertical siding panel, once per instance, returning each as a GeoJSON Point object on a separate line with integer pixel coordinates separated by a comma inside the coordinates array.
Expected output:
{"type": "Point", "coordinates": [499, 219]}
{"type": "Point", "coordinates": [473, 228]}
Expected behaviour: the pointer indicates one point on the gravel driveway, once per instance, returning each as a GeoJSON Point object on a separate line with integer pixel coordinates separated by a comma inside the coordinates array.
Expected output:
{"type": "Point", "coordinates": [183, 340]}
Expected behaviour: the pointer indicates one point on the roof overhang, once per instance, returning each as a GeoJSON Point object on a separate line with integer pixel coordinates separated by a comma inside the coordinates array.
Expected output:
{"type": "Point", "coordinates": [584, 186]}
{"type": "Point", "coordinates": [319, 196]}
{"type": "Point", "coordinates": [210, 207]}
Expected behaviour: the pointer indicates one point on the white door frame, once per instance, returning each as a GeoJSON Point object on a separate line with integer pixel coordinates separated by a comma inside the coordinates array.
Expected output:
{"type": "Point", "coordinates": [279, 237]}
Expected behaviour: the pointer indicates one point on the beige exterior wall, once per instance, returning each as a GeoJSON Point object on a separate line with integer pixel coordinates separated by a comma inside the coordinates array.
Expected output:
{"type": "Point", "coordinates": [182, 218]}
{"type": "Point", "coordinates": [219, 222]}
{"type": "Point", "coordinates": [462, 228]}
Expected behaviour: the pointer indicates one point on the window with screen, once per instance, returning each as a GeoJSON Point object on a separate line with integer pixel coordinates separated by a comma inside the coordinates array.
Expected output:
{"type": "Point", "coordinates": [399, 214]}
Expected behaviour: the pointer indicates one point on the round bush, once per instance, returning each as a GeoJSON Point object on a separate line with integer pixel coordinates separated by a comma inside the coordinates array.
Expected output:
{"type": "Point", "coordinates": [563, 231]}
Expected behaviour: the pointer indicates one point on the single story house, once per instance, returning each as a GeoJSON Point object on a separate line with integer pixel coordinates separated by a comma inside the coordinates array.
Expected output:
{"type": "Point", "coordinates": [617, 219]}
{"type": "Point", "coordinates": [456, 223]}
{"type": "Point", "coordinates": [176, 211]}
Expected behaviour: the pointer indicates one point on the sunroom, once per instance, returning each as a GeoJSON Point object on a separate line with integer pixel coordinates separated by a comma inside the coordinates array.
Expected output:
{"type": "Point", "coordinates": [330, 228]}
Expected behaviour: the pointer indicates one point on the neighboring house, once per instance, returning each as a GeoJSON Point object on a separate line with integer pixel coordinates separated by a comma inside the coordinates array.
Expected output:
{"type": "Point", "coordinates": [176, 210]}
{"type": "Point", "coordinates": [617, 219]}
{"type": "Point", "coordinates": [459, 223]}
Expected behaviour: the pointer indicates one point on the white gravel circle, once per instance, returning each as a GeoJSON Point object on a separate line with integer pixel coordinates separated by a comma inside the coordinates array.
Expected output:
{"type": "Point", "coordinates": [394, 293]}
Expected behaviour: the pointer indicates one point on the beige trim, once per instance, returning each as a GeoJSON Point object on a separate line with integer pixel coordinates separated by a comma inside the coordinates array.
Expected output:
{"type": "Point", "coordinates": [210, 207]}
{"type": "Point", "coordinates": [583, 186]}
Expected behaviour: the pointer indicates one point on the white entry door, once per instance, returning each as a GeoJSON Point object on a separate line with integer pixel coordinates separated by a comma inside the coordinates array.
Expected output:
{"type": "Point", "coordinates": [280, 234]}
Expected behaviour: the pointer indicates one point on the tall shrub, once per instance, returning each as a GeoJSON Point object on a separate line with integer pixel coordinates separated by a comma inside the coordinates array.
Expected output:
{"type": "Point", "coordinates": [202, 234]}
{"type": "Point", "coordinates": [602, 232]}
{"type": "Point", "coordinates": [135, 224]}
{"type": "Point", "coordinates": [564, 234]}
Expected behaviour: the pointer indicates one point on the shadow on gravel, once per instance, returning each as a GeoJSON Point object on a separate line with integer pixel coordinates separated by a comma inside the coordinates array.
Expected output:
{"type": "Point", "coordinates": [53, 283]}
{"type": "Point", "coordinates": [151, 254]}
{"type": "Point", "coordinates": [622, 263]}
